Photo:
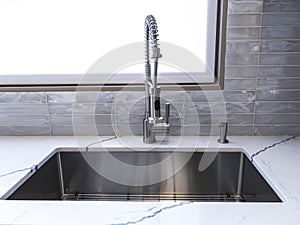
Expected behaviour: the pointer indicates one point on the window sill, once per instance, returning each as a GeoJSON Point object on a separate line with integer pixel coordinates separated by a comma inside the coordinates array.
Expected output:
{"type": "Point", "coordinates": [79, 82]}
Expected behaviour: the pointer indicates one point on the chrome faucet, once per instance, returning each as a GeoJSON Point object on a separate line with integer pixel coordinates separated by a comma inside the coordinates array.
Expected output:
{"type": "Point", "coordinates": [153, 122]}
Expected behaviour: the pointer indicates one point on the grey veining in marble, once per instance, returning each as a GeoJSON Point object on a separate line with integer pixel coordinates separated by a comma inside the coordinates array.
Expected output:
{"type": "Point", "coordinates": [146, 216]}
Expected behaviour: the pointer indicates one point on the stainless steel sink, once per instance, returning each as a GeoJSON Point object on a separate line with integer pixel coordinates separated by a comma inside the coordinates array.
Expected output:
{"type": "Point", "coordinates": [67, 175]}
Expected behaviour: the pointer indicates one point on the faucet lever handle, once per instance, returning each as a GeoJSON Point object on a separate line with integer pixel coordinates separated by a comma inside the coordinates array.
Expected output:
{"type": "Point", "coordinates": [167, 112]}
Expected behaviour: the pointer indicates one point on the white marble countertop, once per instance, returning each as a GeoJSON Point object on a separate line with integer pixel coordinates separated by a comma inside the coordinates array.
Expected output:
{"type": "Point", "coordinates": [277, 158]}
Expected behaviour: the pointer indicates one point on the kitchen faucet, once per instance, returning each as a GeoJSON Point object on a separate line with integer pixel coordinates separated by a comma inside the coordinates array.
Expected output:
{"type": "Point", "coordinates": [153, 122]}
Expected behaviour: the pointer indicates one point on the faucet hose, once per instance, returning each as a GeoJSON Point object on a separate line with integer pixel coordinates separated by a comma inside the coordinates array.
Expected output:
{"type": "Point", "coordinates": [151, 35]}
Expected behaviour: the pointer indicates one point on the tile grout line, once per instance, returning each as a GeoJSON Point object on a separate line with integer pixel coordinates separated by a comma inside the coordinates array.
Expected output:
{"type": "Point", "coordinates": [49, 117]}
{"type": "Point", "coordinates": [257, 71]}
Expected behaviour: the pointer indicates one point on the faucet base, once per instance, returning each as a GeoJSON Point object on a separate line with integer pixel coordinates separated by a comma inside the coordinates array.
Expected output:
{"type": "Point", "coordinates": [149, 140]}
{"type": "Point", "coordinates": [148, 135]}
{"type": "Point", "coordinates": [150, 130]}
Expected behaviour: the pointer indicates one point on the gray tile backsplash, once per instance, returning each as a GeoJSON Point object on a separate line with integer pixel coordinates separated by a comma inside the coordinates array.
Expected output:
{"type": "Point", "coordinates": [282, 32]}
{"type": "Point", "coordinates": [80, 130]}
{"type": "Point", "coordinates": [287, 59]}
{"type": "Point", "coordinates": [27, 130]}
{"type": "Point", "coordinates": [214, 96]}
{"type": "Point", "coordinates": [277, 107]}
{"type": "Point", "coordinates": [242, 47]}
{"type": "Point", "coordinates": [245, 6]}
{"type": "Point", "coordinates": [243, 33]}
{"type": "Point", "coordinates": [242, 20]}
{"type": "Point", "coordinates": [261, 96]}
{"type": "Point", "coordinates": [89, 119]}
{"type": "Point", "coordinates": [276, 130]}
{"type": "Point", "coordinates": [23, 109]}
{"type": "Point", "coordinates": [23, 97]}
{"type": "Point", "coordinates": [280, 45]}
{"type": "Point", "coordinates": [274, 83]}
{"type": "Point", "coordinates": [240, 71]}
{"type": "Point", "coordinates": [280, 19]}
{"type": "Point", "coordinates": [240, 84]}
{"type": "Point", "coordinates": [241, 59]}
{"type": "Point", "coordinates": [19, 120]}
{"type": "Point", "coordinates": [279, 71]}
{"type": "Point", "coordinates": [292, 119]}
{"type": "Point", "coordinates": [283, 6]}
{"type": "Point", "coordinates": [278, 95]}
{"type": "Point", "coordinates": [206, 119]}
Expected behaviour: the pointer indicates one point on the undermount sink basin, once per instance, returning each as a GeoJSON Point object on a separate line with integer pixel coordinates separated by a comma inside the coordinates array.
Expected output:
{"type": "Point", "coordinates": [69, 175]}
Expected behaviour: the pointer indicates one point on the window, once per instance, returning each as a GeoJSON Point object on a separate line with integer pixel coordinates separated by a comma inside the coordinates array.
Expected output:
{"type": "Point", "coordinates": [54, 43]}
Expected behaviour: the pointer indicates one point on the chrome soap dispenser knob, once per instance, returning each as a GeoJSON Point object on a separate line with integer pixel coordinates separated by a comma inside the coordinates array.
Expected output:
{"type": "Point", "coordinates": [223, 133]}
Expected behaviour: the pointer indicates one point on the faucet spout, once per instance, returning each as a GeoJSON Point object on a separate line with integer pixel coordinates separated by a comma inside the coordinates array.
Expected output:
{"type": "Point", "coordinates": [153, 122]}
